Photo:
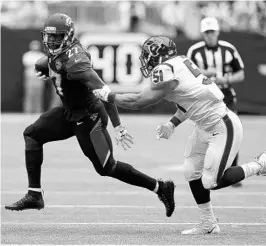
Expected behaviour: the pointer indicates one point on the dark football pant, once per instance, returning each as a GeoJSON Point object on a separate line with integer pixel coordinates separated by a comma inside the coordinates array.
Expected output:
{"type": "Point", "coordinates": [93, 139]}
{"type": "Point", "coordinates": [91, 134]}
{"type": "Point", "coordinates": [231, 102]}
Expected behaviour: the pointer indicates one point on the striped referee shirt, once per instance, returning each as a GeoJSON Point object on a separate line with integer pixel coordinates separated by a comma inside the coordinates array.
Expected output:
{"type": "Point", "coordinates": [225, 57]}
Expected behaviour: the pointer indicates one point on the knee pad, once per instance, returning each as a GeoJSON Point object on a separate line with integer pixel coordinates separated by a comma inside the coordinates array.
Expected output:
{"type": "Point", "coordinates": [208, 181]}
{"type": "Point", "coordinates": [30, 142]}
{"type": "Point", "coordinates": [190, 173]}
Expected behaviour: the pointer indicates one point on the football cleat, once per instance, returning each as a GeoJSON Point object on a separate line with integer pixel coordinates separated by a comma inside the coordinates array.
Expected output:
{"type": "Point", "coordinates": [203, 228]}
{"type": "Point", "coordinates": [261, 160]}
{"type": "Point", "coordinates": [166, 196]}
{"type": "Point", "coordinates": [29, 201]}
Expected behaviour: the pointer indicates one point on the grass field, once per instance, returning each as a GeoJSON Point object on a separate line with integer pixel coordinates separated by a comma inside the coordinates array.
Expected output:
{"type": "Point", "coordinates": [84, 208]}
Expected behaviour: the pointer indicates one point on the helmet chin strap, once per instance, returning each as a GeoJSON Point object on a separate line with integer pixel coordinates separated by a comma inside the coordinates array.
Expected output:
{"type": "Point", "coordinates": [55, 52]}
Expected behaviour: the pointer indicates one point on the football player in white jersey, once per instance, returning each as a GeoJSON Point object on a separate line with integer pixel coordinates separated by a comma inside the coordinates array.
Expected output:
{"type": "Point", "coordinates": [217, 136]}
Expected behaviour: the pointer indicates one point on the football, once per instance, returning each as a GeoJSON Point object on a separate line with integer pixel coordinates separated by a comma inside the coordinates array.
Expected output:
{"type": "Point", "coordinates": [42, 66]}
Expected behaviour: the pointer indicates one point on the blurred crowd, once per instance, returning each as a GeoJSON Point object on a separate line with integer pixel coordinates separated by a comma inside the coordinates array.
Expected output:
{"type": "Point", "coordinates": [151, 17]}
{"type": "Point", "coordinates": [23, 14]}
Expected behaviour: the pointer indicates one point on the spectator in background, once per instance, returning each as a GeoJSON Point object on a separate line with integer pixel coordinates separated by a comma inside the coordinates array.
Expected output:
{"type": "Point", "coordinates": [183, 17]}
{"type": "Point", "coordinates": [220, 61]}
{"type": "Point", "coordinates": [24, 14]}
{"type": "Point", "coordinates": [33, 89]}
{"type": "Point", "coordinates": [137, 14]}
{"type": "Point", "coordinates": [132, 14]}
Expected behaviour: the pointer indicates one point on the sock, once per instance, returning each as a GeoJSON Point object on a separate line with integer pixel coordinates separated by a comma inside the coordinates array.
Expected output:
{"type": "Point", "coordinates": [126, 173]}
{"type": "Point", "coordinates": [231, 176]}
{"type": "Point", "coordinates": [202, 198]}
{"type": "Point", "coordinates": [251, 168]}
{"type": "Point", "coordinates": [206, 212]}
{"type": "Point", "coordinates": [34, 159]}
{"type": "Point", "coordinates": [201, 195]}
{"type": "Point", "coordinates": [35, 189]}
{"type": "Point", "coordinates": [234, 164]}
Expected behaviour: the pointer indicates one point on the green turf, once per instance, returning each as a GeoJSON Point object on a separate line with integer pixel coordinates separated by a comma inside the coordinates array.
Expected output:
{"type": "Point", "coordinates": [105, 211]}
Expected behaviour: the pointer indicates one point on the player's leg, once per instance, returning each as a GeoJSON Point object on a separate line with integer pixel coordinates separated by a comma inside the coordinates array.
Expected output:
{"type": "Point", "coordinates": [222, 150]}
{"type": "Point", "coordinates": [231, 102]}
{"type": "Point", "coordinates": [96, 144]}
{"type": "Point", "coordinates": [223, 147]}
{"type": "Point", "coordinates": [235, 174]}
{"type": "Point", "coordinates": [51, 126]}
{"type": "Point", "coordinates": [196, 148]}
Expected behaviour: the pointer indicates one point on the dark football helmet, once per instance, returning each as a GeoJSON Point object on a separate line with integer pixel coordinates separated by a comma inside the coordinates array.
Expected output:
{"type": "Point", "coordinates": [156, 50]}
{"type": "Point", "coordinates": [58, 33]}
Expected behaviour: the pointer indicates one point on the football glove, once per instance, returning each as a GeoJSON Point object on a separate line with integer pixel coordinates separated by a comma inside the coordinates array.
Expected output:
{"type": "Point", "coordinates": [102, 93]}
{"type": "Point", "coordinates": [123, 137]}
{"type": "Point", "coordinates": [165, 130]}
{"type": "Point", "coordinates": [41, 76]}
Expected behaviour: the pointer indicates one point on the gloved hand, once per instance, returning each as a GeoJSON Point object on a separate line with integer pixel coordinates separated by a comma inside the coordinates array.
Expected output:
{"type": "Point", "coordinates": [102, 93]}
{"type": "Point", "coordinates": [123, 137]}
{"type": "Point", "coordinates": [165, 130]}
{"type": "Point", "coordinates": [41, 76]}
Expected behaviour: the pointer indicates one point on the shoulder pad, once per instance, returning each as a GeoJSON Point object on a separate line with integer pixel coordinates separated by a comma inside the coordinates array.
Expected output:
{"type": "Point", "coordinates": [162, 74]}
{"type": "Point", "coordinates": [78, 60]}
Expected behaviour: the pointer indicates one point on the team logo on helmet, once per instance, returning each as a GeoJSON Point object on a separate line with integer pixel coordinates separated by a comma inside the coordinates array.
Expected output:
{"type": "Point", "coordinates": [154, 46]}
{"type": "Point", "coordinates": [156, 50]}
{"type": "Point", "coordinates": [69, 22]}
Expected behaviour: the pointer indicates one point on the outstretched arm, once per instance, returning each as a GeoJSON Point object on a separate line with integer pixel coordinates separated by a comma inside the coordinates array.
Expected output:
{"type": "Point", "coordinates": [147, 97]}
{"type": "Point", "coordinates": [140, 100]}
{"type": "Point", "coordinates": [163, 81]}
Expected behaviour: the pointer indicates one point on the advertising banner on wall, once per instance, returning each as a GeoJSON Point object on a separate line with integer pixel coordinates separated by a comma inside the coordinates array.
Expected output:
{"type": "Point", "coordinates": [116, 59]}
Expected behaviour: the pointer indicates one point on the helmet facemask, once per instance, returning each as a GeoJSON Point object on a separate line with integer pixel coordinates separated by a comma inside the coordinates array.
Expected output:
{"type": "Point", "coordinates": [150, 57]}
{"type": "Point", "coordinates": [155, 50]}
{"type": "Point", "coordinates": [148, 62]}
{"type": "Point", "coordinates": [56, 41]}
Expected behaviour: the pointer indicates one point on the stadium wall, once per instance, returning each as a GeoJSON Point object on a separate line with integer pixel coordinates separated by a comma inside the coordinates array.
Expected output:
{"type": "Point", "coordinates": [122, 73]}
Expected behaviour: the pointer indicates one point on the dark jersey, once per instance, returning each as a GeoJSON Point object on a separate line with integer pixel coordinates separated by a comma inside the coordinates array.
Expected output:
{"type": "Point", "coordinates": [77, 98]}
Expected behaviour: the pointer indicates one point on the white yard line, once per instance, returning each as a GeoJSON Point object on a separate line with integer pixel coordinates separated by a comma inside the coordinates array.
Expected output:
{"type": "Point", "coordinates": [126, 223]}
{"type": "Point", "coordinates": [131, 193]}
{"type": "Point", "coordinates": [100, 206]}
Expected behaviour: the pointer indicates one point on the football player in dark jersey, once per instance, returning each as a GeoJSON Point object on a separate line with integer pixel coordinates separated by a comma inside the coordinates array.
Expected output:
{"type": "Point", "coordinates": [82, 115]}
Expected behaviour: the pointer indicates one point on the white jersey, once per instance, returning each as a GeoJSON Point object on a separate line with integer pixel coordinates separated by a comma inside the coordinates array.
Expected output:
{"type": "Point", "coordinates": [196, 97]}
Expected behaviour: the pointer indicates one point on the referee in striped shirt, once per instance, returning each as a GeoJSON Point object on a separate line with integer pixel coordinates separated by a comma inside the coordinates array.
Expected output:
{"type": "Point", "coordinates": [220, 61]}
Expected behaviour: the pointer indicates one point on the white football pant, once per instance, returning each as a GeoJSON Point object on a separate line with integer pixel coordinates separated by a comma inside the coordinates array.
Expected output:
{"type": "Point", "coordinates": [209, 153]}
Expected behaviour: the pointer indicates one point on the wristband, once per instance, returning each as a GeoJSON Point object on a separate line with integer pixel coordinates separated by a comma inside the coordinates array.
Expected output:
{"type": "Point", "coordinates": [111, 97]}
{"type": "Point", "coordinates": [175, 121]}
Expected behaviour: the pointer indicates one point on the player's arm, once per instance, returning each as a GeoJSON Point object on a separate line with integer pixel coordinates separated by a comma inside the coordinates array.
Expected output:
{"type": "Point", "coordinates": [162, 82]}
{"type": "Point", "coordinates": [147, 97]}
{"type": "Point", "coordinates": [92, 80]}
{"type": "Point", "coordinates": [167, 129]}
